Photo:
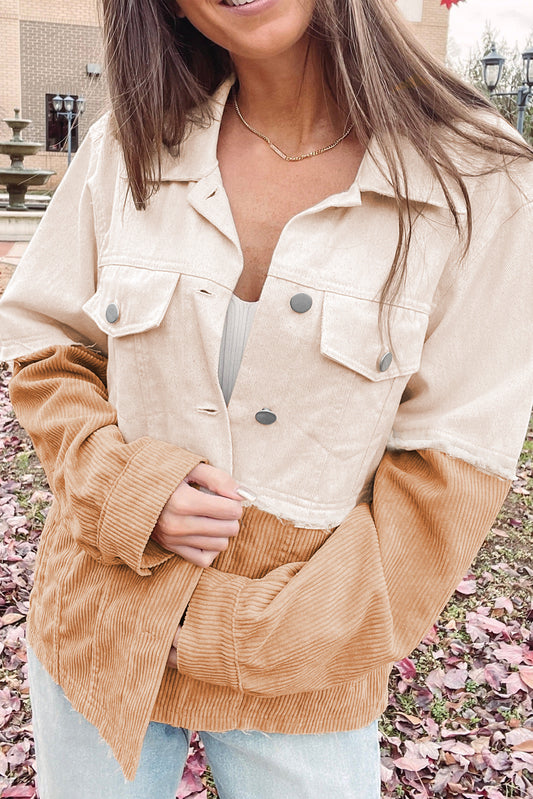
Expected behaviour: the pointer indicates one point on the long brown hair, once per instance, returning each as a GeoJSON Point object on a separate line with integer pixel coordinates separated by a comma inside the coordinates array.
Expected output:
{"type": "Point", "coordinates": [161, 70]}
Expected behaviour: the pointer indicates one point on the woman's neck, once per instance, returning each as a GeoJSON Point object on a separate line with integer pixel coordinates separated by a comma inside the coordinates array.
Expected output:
{"type": "Point", "coordinates": [287, 98]}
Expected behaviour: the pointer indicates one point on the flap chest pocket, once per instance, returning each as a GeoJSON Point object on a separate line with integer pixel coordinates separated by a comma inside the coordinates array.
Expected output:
{"type": "Point", "coordinates": [351, 335]}
{"type": "Point", "coordinates": [130, 299]}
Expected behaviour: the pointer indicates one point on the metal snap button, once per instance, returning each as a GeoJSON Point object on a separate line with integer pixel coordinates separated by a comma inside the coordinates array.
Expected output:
{"type": "Point", "coordinates": [265, 416]}
{"type": "Point", "coordinates": [112, 313]}
{"type": "Point", "coordinates": [385, 362]}
{"type": "Point", "coordinates": [301, 303]}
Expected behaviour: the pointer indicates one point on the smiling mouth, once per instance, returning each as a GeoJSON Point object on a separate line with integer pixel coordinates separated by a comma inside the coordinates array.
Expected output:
{"type": "Point", "coordinates": [237, 2]}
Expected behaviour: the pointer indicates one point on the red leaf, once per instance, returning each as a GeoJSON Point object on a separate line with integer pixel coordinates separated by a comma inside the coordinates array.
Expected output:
{"type": "Point", "coordinates": [455, 678]}
{"type": "Point", "coordinates": [467, 587]}
{"type": "Point", "coordinates": [514, 684]}
{"type": "Point", "coordinates": [410, 763]}
{"type": "Point", "coordinates": [499, 761]}
{"type": "Point", "coordinates": [494, 793]}
{"type": "Point", "coordinates": [190, 783]}
{"type": "Point", "coordinates": [518, 736]}
{"type": "Point", "coordinates": [526, 675]}
{"type": "Point", "coordinates": [407, 669]}
{"type": "Point", "coordinates": [479, 620]}
{"type": "Point", "coordinates": [504, 602]}
{"type": "Point", "coordinates": [435, 680]}
{"type": "Point", "coordinates": [510, 653]}
{"type": "Point", "coordinates": [495, 673]}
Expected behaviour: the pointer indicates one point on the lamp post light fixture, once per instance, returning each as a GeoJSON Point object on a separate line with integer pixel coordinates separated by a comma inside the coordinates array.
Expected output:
{"type": "Point", "coordinates": [492, 68]}
{"type": "Point", "coordinates": [527, 57]}
{"type": "Point", "coordinates": [67, 103]}
{"type": "Point", "coordinates": [492, 71]}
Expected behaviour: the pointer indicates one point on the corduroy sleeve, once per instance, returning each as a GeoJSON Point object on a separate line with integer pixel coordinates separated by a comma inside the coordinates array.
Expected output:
{"type": "Point", "coordinates": [365, 598]}
{"type": "Point", "coordinates": [111, 492]}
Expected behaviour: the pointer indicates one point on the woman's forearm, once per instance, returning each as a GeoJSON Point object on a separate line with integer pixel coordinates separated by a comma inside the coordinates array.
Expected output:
{"type": "Point", "coordinates": [113, 491]}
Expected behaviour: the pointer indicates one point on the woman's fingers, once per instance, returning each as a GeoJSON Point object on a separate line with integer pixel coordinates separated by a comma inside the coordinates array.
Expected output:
{"type": "Point", "coordinates": [196, 531]}
{"type": "Point", "coordinates": [188, 501]}
{"type": "Point", "coordinates": [216, 480]}
{"type": "Point", "coordinates": [205, 526]}
{"type": "Point", "coordinates": [180, 526]}
{"type": "Point", "coordinates": [205, 542]}
{"type": "Point", "coordinates": [172, 660]}
{"type": "Point", "coordinates": [197, 523]}
{"type": "Point", "coordinates": [208, 543]}
{"type": "Point", "coordinates": [199, 557]}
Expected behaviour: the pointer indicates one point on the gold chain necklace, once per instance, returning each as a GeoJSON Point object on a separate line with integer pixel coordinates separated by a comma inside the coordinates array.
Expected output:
{"type": "Point", "coordinates": [277, 149]}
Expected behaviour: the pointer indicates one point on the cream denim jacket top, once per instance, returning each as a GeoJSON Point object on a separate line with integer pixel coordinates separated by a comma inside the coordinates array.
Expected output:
{"type": "Point", "coordinates": [151, 288]}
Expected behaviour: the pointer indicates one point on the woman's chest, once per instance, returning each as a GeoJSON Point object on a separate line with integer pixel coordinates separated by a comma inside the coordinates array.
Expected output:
{"type": "Point", "coordinates": [266, 194]}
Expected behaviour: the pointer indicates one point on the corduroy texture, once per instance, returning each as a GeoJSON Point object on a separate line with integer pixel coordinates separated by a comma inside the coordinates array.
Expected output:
{"type": "Point", "coordinates": [291, 630]}
{"type": "Point", "coordinates": [364, 599]}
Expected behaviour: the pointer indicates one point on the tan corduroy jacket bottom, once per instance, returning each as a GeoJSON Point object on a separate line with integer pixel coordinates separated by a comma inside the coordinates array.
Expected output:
{"type": "Point", "coordinates": [265, 543]}
{"type": "Point", "coordinates": [291, 629]}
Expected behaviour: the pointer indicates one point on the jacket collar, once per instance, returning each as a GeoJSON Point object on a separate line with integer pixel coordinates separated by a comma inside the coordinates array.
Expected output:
{"type": "Point", "coordinates": [198, 159]}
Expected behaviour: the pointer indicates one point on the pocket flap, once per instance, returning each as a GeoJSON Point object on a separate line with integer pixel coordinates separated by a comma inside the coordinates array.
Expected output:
{"type": "Point", "coordinates": [130, 299]}
{"type": "Point", "coordinates": [351, 336]}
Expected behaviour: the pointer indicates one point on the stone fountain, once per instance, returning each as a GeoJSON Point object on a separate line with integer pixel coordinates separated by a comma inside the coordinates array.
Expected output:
{"type": "Point", "coordinates": [17, 178]}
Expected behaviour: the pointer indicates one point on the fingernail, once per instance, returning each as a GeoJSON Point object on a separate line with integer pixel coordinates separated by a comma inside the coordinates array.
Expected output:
{"type": "Point", "coordinates": [245, 493]}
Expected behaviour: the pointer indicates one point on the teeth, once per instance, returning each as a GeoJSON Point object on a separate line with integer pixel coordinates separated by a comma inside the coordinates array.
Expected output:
{"type": "Point", "coordinates": [239, 2]}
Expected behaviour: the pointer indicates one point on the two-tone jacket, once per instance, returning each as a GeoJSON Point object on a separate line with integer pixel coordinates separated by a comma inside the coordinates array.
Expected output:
{"type": "Point", "coordinates": [389, 452]}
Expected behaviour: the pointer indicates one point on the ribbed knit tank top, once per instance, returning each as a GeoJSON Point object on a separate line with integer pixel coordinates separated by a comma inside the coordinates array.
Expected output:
{"type": "Point", "coordinates": [237, 326]}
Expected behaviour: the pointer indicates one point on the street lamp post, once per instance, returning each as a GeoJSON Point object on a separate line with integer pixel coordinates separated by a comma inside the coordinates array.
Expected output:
{"type": "Point", "coordinates": [492, 71]}
{"type": "Point", "coordinates": [67, 103]}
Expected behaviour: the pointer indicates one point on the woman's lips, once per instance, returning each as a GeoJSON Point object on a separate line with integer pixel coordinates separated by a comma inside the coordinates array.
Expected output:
{"type": "Point", "coordinates": [248, 9]}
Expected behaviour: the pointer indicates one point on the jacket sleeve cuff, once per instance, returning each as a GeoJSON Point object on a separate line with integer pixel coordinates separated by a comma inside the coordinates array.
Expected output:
{"type": "Point", "coordinates": [135, 502]}
{"type": "Point", "coordinates": [206, 644]}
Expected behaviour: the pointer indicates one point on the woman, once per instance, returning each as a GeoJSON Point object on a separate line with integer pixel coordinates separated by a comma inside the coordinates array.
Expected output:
{"type": "Point", "coordinates": [249, 557]}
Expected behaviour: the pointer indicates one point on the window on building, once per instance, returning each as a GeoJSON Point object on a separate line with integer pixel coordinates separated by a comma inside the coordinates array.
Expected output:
{"type": "Point", "coordinates": [57, 127]}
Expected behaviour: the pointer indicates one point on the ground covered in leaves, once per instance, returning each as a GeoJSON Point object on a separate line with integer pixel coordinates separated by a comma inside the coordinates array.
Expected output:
{"type": "Point", "coordinates": [460, 719]}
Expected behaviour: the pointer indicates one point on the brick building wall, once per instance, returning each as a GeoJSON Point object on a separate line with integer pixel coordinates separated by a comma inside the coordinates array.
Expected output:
{"type": "Point", "coordinates": [430, 21]}
{"type": "Point", "coordinates": [433, 28]}
{"type": "Point", "coordinates": [54, 58]}
{"type": "Point", "coordinates": [46, 46]}
{"type": "Point", "coordinates": [9, 59]}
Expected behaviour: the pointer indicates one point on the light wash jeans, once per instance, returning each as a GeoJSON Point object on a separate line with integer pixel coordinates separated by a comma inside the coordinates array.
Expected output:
{"type": "Point", "coordinates": [74, 762]}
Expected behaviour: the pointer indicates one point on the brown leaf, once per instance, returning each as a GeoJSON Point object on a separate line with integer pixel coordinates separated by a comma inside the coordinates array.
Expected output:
{"type": "Point", "coordinates": [10, 618]}
{"type": "Point", "coordinates": [411, 719]}
{"type": "Point", "coordinates": [525, 746]}
{"type": "Point", "coordinates": [455, 787]}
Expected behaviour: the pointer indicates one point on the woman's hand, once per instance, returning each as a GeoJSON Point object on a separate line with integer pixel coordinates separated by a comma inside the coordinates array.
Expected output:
{"type": "Point", "coordinates": [198, 525]}
{"type": "Point", "coordinates": [172, 660]}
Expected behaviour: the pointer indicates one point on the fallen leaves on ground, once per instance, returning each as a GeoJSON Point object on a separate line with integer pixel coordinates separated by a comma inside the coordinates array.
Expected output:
{"type": "Point", "coordinates": [460, 718]}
